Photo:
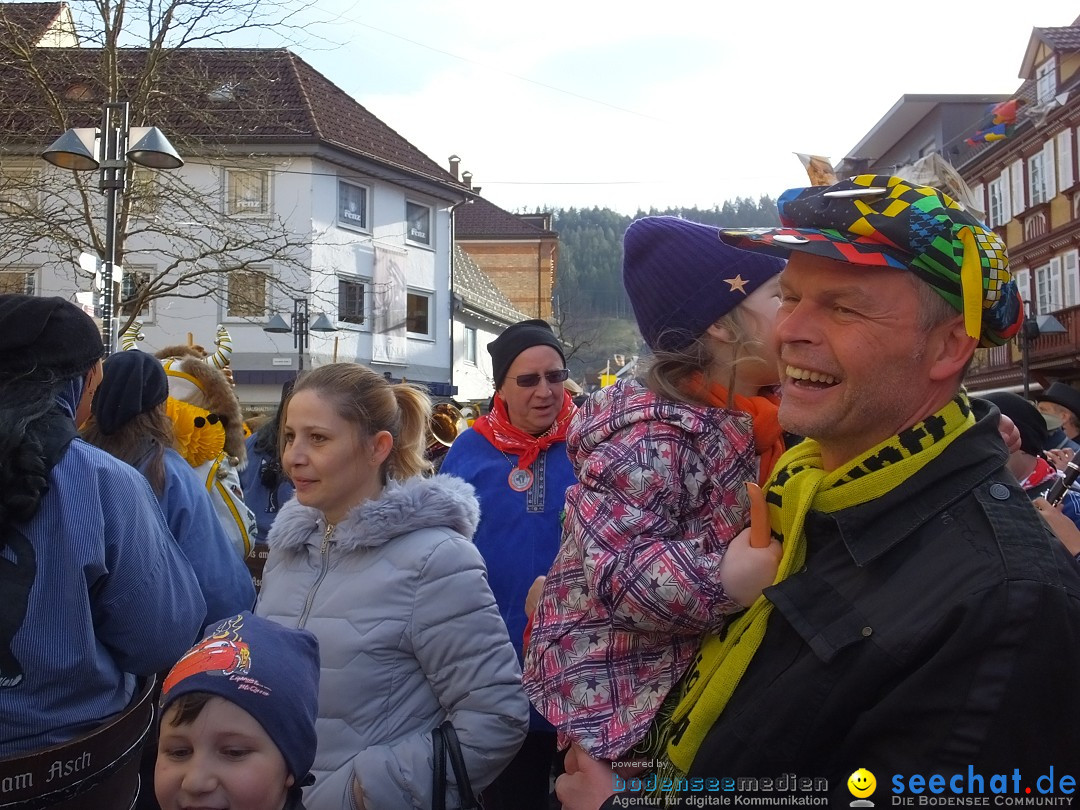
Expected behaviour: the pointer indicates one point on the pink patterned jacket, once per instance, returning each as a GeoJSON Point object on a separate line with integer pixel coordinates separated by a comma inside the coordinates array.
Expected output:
{"type": "Point", "coordinates": [660, 493]}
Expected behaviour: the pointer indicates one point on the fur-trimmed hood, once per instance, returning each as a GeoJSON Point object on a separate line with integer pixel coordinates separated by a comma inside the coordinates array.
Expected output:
{"type": "Point", "coordinates": [196, 382]}
{"type": "Point", "coordinates": [418, 503]}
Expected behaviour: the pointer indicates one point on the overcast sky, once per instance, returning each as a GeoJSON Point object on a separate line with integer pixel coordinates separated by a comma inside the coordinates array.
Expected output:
{"type": "Point", "coordinates": [631, 104]}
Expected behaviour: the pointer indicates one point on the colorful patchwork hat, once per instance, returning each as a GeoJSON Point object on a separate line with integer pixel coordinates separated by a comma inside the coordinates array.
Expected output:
{"type": "Point", "coordinates": [883, 221]}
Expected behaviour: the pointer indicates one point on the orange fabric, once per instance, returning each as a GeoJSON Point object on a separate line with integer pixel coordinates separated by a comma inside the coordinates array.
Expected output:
{"type": "Point", "coordinates": [763, 409]}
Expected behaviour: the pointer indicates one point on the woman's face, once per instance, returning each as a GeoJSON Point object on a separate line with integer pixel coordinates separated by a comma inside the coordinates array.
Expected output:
{"type": "Point", "coordinates": [221, 759]}
{"type": "Point", "coordinates": [331, 465]}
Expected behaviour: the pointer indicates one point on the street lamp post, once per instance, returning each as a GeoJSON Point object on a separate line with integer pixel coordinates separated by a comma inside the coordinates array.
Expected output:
{"type": "Point", "coordinates": [1031, 329]}
{"type": "Point", "coordinates": [106, 149]}
{"type": "Point", "coordinates": [300, 328]}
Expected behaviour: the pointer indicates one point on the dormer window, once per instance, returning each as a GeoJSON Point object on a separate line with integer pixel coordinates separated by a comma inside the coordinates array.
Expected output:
{"type": "Point", "coordinates": [225, 92]}
{"type": "Point", "coordinates": [1046, 80]}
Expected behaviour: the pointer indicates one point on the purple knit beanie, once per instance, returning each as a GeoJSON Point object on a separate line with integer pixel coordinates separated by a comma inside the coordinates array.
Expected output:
{"type": "Point", "coordinates": [681, 278]}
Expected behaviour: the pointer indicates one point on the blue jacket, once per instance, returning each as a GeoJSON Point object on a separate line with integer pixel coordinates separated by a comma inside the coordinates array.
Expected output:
{"type": "Point", "coordinates": [259, 499]}
{"type": "Point", "coordinates": [112, 597]}
{"type": "Point", "coordinates": [223, 577]}
{"type": "Point", "coordinates": [519, 532]}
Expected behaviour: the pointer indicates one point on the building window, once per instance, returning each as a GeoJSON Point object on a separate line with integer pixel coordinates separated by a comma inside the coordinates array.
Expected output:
{"type": "Point", "coordinates": [996, 213]}
{"type": "Point", "coordinates": [247, 294]}
{"type": "Point", "coordinates": [17, 281]}
{"type": "Point", "coordinates": [135, 281]}
{"type": "Point", "coordinates": [1048, 287]}
{"type": "Point", "coordinates": [1046, 80]}
{"type": "Point", "coordinates": [352, 206]}
{"type": "Point", "coordinates": [418, 224]}
{"type": "Point", "coordinates": [1037, 178]}
{"type": "Point", "coordinates": [350, 301]}
{"type": "Point", "coordinates": [18, 192]}
{"type": "Point", "coordinates": [418, 314]}
{"type": "Point", "coordinates": [248, 192]}
{"type": "Point", "coordinates": [470, 345]}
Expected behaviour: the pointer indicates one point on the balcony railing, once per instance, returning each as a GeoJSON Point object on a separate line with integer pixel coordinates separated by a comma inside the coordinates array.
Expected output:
{"type": "Point", "coordinates": [1052, 356]}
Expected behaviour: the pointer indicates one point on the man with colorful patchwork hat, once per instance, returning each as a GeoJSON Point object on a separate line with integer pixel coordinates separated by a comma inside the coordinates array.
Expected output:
{"type": "Point", "coordinates": [925, 622]}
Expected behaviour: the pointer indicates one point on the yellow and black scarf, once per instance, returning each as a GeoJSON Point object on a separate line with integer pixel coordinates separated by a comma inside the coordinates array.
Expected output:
{"type": "Point", "coordinates": [798, 485]}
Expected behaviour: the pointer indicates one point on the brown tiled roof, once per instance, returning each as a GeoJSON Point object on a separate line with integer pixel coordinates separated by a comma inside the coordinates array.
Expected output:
{"type": "Point", "coordinates": [214, 96]}
{"type": "Point", "coordinates": [482, 219]}
{"type": "Point", "coordinates": [479, 292]}
{"type": "Point", "coordinates": [28, 20]}
{"type": "Point", "coordinates": [1060, 39]}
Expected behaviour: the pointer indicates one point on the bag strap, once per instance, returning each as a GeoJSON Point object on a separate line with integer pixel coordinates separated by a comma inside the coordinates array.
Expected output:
{"type": "Point", "coordinates": [457, 762]}
{"type": "Point", "coordinates": [438, 780]}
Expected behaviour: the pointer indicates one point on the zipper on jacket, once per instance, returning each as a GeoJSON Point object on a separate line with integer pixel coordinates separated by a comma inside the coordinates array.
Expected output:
{"type": "Point", "coordinates": [324, 552]}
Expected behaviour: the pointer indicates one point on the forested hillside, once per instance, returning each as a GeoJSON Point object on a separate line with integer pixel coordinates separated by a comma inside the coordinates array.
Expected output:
{"type": "Point", "coordinates": [592, 311]}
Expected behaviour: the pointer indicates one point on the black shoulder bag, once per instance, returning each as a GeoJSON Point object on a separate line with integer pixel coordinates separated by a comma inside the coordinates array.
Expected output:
{"type": "Point", "coordinates": [445, 742]}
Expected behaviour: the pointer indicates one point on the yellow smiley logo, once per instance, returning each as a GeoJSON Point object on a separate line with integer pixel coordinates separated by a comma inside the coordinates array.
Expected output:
{"type": "Point", "coordinates": [861, 783]}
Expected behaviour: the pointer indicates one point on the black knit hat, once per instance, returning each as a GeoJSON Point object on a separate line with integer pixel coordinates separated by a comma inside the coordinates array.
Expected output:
{"type": "Point", "coordinates": [47, 334]}
{"type": "Point", "coordinates": [134, 382]}
{"type": "Point", "coordinates": [517, 338]}
{"type": "Point", "coordinates": [1033, 432]}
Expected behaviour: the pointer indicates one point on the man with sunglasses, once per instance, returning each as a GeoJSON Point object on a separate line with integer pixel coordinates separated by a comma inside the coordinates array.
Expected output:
{"type": "Point", "coordinates": [515, 457]}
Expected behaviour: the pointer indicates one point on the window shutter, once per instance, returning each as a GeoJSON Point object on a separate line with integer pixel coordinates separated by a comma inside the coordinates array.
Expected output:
{"type": "Point", "coordinates": [1017, 170]}
{"type": "Point", "coordinates": [1071, 275]}
{"type": "Point", "coordinates": [1006, 197]}
{"type": "Point", "coordinates": [1065, 159]}
{"type": "Point", "coordinates": [978, 195]}
{"type": "Point", "coordinates": [1023, 283]}
{"type": "Point", "coordinates": [1049, 174]}
{"type": "Point", "coordinates": [1055, 285]}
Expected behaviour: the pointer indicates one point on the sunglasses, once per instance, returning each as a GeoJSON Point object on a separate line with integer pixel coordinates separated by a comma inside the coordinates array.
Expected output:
{"type": "Point", "coordinates": [533, 380]}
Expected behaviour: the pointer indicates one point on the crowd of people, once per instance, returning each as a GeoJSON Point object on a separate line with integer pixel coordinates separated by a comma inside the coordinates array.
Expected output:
{"type": "Point", "coordinates": [795, 545]}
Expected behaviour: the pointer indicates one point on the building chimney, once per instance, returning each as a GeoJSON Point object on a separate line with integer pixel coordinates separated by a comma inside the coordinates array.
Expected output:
{"type": "Point", "coordinates": [455, 161]}
{"type": "Point", "coordinates": [466, 178]}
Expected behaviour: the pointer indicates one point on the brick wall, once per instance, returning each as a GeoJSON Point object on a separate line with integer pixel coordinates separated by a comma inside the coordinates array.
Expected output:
{"type": "Point", "coordinates": [524, 271]}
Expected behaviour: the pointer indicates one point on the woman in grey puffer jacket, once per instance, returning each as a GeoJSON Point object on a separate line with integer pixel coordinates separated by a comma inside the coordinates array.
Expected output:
{"type": "Point", "coordinates": [377, 562]}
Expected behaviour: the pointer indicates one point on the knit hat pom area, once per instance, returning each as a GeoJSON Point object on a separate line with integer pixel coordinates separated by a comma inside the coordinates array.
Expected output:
{"type": "Point", "coordinates": [269, 671]}
{"type": "Point", "coordinates": [681, 278]}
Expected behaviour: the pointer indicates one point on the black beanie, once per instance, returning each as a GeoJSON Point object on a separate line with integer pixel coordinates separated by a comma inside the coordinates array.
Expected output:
{"type": "Point", "coordinates": [134, 382]}
{"type": "Point", "coordinates": [517, 338]}
{"type": "Point", "coordinates": [47, 334]}
{"type": "Point", "coordinates": [1034, 435]}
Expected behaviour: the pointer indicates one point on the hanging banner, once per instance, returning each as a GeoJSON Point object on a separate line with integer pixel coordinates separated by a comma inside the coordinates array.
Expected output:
{"type": "Point", "coordinates": [389, 294]}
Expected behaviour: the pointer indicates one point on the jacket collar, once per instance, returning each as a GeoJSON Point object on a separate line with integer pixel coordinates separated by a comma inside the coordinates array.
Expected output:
{"type": "Point", "coordinates": [417, 503]}
{"type": "Point", "coordinates": [871, 529]}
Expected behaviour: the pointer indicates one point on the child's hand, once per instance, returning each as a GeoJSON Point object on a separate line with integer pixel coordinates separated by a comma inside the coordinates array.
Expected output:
{"type": "Point", "coordinates": [532, 598]}
{"type": "Point", "coordinates": [752, 558]}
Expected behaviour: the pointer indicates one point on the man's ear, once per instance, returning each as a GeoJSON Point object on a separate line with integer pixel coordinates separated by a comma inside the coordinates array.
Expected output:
{"type": "Point", "coordinates": [949, 349]}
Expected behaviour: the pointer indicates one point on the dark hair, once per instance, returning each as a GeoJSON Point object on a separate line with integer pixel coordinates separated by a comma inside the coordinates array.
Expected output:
{"type": "Point", "coordinates": [29, 417]}
{"type": "Point", "coordinates": [371, 402]}
{"type": "Point", "coordinates": [145, 434]}
{"type": "Point", "coordinates": [188, 706]}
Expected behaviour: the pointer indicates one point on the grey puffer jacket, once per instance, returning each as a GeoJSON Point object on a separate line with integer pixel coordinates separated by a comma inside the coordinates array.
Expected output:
{"type": "Point", "coordinates": [409, 634]}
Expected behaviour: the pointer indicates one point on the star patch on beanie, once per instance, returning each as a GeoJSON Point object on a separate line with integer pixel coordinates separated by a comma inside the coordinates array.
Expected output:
{"type": "Point", "coordinates": [681, 278]}
{"type": "Point", "coordinates": [269, 671]}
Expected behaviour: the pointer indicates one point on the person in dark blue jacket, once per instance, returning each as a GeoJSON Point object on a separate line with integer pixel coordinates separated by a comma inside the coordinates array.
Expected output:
{"type": "Point", "coordinates": [93, 589]}
{"type": "Point", "coordinates": [129, 421]}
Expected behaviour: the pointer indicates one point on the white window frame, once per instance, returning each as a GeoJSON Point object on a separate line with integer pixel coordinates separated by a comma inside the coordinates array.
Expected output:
{"type": "Point", "coordinates": [29, 282]}
{"type": "Point", "coordinates": [1022, 276]}
{"type": "Point", "coordinates": [365, 318]}
{"type": "Point", "coordinates": [350, 224]}
{"type": "Point", "coordinates": [1046, 80]}
{"type": "Point", "coordinates": [978, 198]}
{"type": "Point", "coordinates": [1048, 287]}
{"type": "Point", "coordinates": [268, 304]}
{"type": "Point", "coordinates": [146, 270]}
{"type": "Point", "coordinates": [469, 342]}
{"type": "Point", "coordinates": [998, 201]}
{"type": "Point", "coordinates": [1036, 166]}
{"type": "Point", "coordinates": [233, 207]}
{"type": "Point", "coordinates": [1066, 169]}
{"type": "Point", "coordinates": [24, 194]}
{"type": "Point", "coordinates": [430, 297]}
{"type": "Point", "coordinates": [425, 243]}
{"type": "Point", "coordinates": [1070, 274]}
{"type": "Point", "coordinates": [1016, 180]}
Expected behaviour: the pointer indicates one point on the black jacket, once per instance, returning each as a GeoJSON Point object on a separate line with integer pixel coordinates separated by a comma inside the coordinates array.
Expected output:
{"type": "Point", "coordinates": [933, 629]}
